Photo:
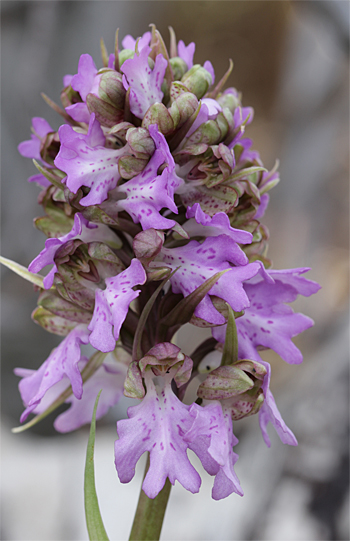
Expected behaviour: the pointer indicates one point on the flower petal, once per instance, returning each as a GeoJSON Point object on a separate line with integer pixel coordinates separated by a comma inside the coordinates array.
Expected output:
{"type": "Point", "coordinates": [63, 361]}
{"type": "Point", "coordinates": [144, 84]}
{"type": "Point", "coordinates": [112, 305]}
{"type": "Point", "coordinates": [156, 425]}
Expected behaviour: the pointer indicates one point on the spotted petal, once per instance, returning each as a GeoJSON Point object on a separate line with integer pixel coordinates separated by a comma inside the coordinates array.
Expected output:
{"type": "Point", "coordinates": [87, 162]}
{"type": "Point", "coordinates": [199, 262]}
{"type": "Point", "coordinates": [112, 305]}
{"type": "Point", "coordinates": [268, 322]}
{"type": "Point", "coordinates": [270, 413]}
{"type": "Point", "coordinates": [211, 439]}
{"type": "Point", "coordinates": [63, 361]}
{"type": "Point", "coordinates": [147, 193]}
{"type": "Point", "coordinates": [144, 83]}
{"type": "Point", "coordinates": [217, 225]}
{"type": "Point", "coordinates": [156, 425]}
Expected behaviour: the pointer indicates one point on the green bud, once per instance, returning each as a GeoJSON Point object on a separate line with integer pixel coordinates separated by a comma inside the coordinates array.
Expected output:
{"type": "Point", "coordinates": [230, 101]}
{"type": "Point", "coordinates": [197, 80]}
{"type": "Point", "coordinates": [109, 104]}
{"type": "Point", "coordinates": [111, 88]}
{"type": "Point", "coordinates": [183, 108]}
{"type": "Point", "coordinates": [125, 54]}
{"type": "Point", "coordinates": [159, 114]}
{"type": "Point", "coordinates": [148, 244]}
{"type": "Point", "coordinates": [179, 67]}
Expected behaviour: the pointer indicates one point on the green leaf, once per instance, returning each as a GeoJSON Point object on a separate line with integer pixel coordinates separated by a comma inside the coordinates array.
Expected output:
{"type": "Point", "coordinates": [36, 279]}
{"type": "Point", "coordinates": [93, 517]}
{"type": "Point", "coordinates": [90, 368]}
{"type": "Point", "coordinates": [137, 350]}
{"type": "Point", "coordinates": [230, 353]}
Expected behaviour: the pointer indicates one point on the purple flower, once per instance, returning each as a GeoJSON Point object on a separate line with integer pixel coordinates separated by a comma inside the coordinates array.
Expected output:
{"type": "Point", "coordinates": [217, 225]}
{"type": "Point", "coordinates": [83, 82]}
{"type": "Point", "coordinates": [268, 322]}
{"type": "Point", "coordinates": [242, 117]}
{"type": "Point", "coordinates": [31, 148]}
{"type": "Point", "coordinates": [209, 67]}
{"type": "Point", "coordinates": [82, 229]}
{"type": "Point", "coordinates": [270, 413]}
{"type": "Point", "coordinates": [199, 262]}
{"type": "Point", "coordinates": [157, 425]}
{"type": "Point", "coordinates": [144, 83]}
{"type": "Point", "coordinates": [130, 43]}
{"type": "Point", "coordinates": [148, 192]}
{"type": "Point", "coordinates": [109, 377]}
{"type": "Point", "coordinates": [112, 305]}
{"type": "Point", "coordinates": [186, 52]}
{"type": "Point", "coordinates": [87, 162]}
{"type": "Point", "coordinates": [211, 439]}
{"type": "Point", "coordinates": [63, 361]}
{"type": "Point", "coordinates": [209, 111]}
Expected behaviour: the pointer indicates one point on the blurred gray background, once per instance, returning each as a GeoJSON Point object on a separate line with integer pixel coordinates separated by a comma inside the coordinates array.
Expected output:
{"type": "Point", "coordinates": [291, 61]}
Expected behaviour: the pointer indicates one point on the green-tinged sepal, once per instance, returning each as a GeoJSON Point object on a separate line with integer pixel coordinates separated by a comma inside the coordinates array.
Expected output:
{"type": "Point", "coordinates": [52, 302]}
{"type": "Point", "coordinates": [133, 386]}
{"type": "Point", "coordinates": [51, 322]}
{"type": "Point", "coordinates": [197, 80]}
{"type": "Point", "coordinates": [225, 382]}
{"type": "Point", "coordinates": [94, 523]}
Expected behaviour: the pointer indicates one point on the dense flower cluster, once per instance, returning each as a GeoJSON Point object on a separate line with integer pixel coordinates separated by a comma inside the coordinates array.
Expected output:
{"type": "Point", "coordinates": [153, 198]}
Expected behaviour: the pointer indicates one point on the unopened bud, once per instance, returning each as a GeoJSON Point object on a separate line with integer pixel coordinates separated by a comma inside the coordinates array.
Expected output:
{"type": "Point", "coordinates": [197, 80]}
{"type": "Point", "coordinates": [147, 244]}
{"type": "Point", "coordinates": [108, 101]}
{"type": "Point", "coordinates": [179, 67]}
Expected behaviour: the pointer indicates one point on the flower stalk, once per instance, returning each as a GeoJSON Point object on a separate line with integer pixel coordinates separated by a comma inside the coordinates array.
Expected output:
{"type": "Point", "coordinates": [149, 515]}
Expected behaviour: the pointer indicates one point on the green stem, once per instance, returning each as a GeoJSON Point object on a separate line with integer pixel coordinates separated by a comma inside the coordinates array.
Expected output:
{"type": "Point", "coordinates": [149, 514]}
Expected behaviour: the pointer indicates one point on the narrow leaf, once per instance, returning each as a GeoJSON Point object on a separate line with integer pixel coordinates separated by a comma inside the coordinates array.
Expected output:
{"type": "Point", "coordinates": [48, 174]}
{"type": "Point", "coordinates": [58, 110]}
{"type": "Point", "coordinates": [213, 94]}
{"type": "Point", "coordinates": [36, 279]}
{"type": "Point", "coordinates": [104, 53]}
{"type": "Point", "coordinates": [183, 311]}
{"type": "Point", "coordinates": [93, 517]}
{"type": "Point", "coordinates": [90, 368]}
{"type": "Point", "coordinates": [230, 353]}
